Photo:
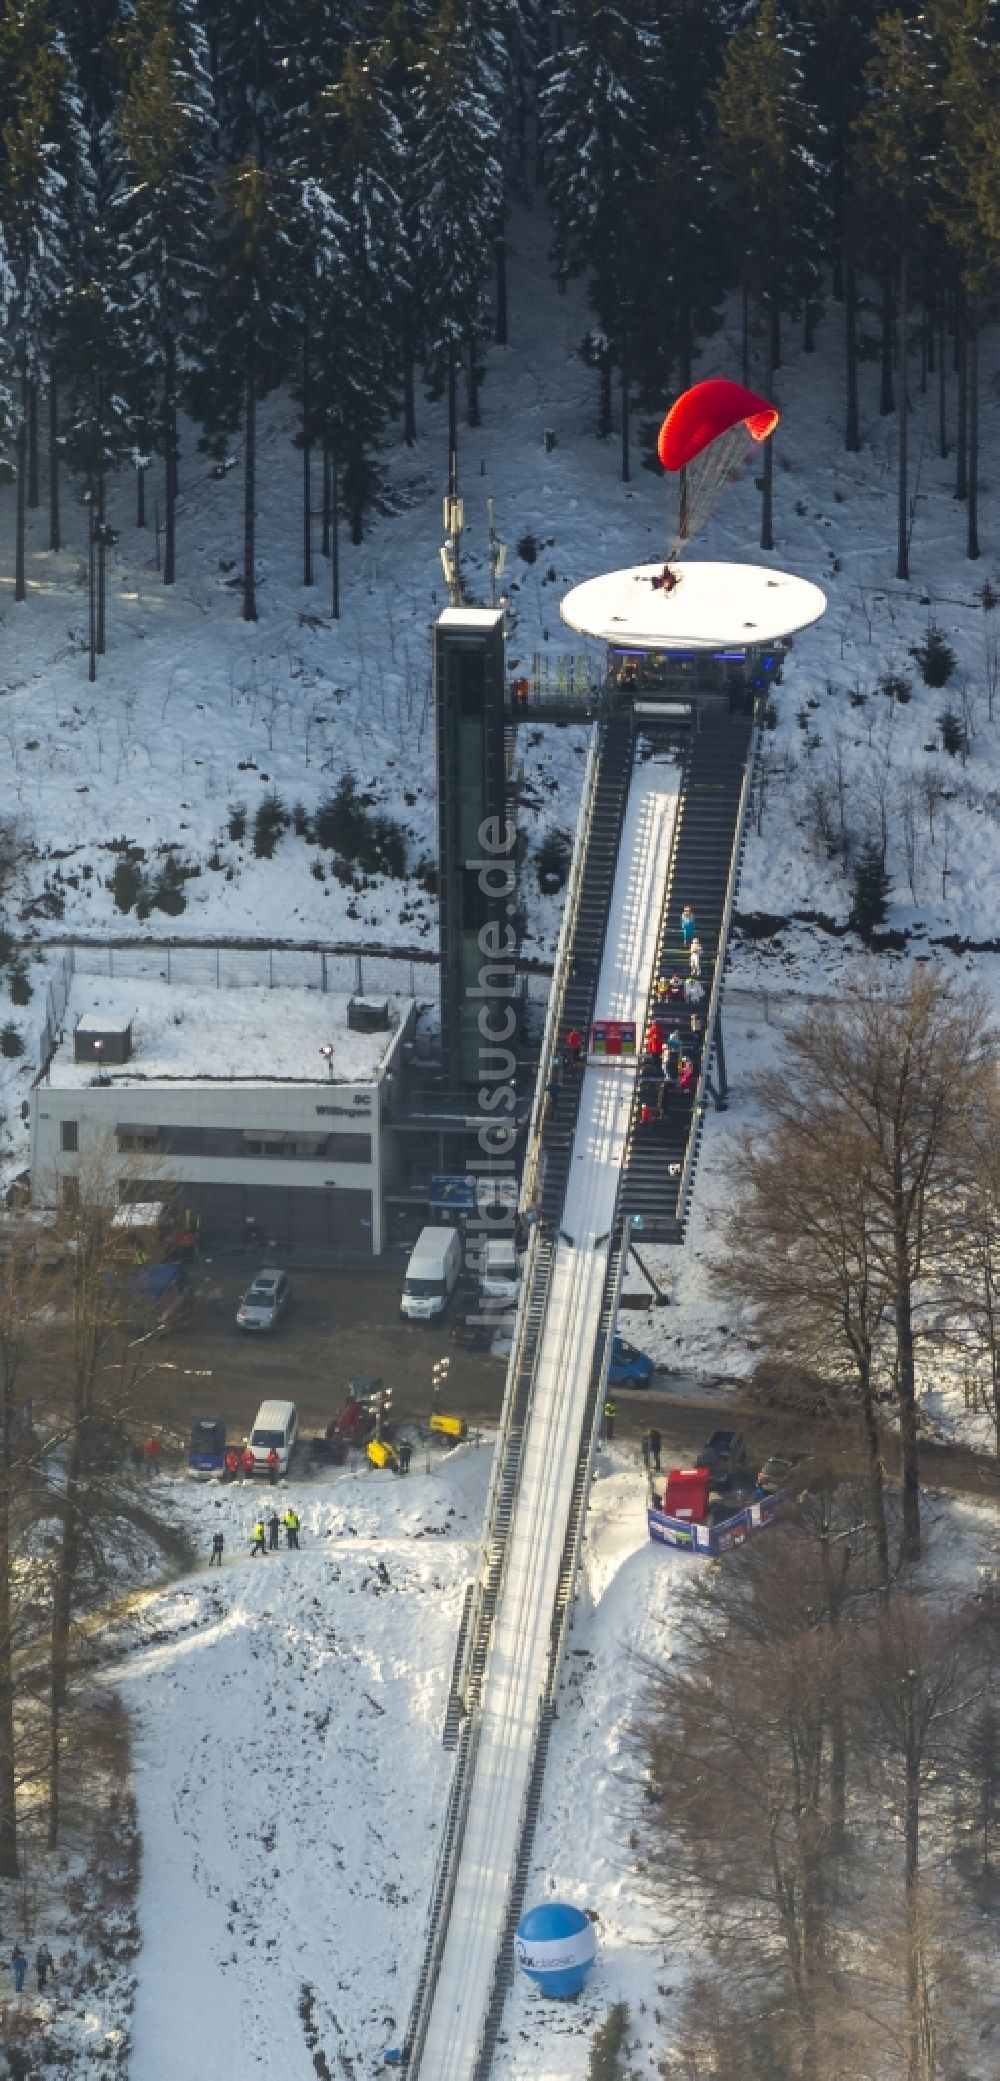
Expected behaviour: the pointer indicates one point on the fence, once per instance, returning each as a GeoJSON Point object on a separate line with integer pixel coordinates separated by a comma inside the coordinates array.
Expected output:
{"type": "Point", "coordinates": [263, 968]}
{"type": "Point", "coordinates": [712, 1540]}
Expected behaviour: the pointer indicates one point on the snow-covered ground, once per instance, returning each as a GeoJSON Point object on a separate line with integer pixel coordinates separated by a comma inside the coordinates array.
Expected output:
{"type": "Point", "coordinates": [290, 1775]}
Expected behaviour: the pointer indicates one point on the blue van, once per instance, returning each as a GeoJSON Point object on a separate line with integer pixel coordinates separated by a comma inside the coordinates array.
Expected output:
{"type": "Point", "coordinates": [207, 1446]}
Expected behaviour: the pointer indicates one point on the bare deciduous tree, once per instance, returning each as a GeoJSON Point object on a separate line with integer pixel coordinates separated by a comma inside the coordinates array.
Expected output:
{"type": "Point", "coordinates": [897, 1072]}
{"type": "Point", "coordinates": [914, 1686]}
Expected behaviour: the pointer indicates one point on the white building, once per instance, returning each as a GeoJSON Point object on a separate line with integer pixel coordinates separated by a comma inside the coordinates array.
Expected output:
{"type": "Point", "coordinates": [270, 1107]}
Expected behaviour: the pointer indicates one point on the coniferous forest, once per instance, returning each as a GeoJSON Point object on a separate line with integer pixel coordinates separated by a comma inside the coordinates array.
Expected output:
{"type": "Point", "coordinates": [200, 203]}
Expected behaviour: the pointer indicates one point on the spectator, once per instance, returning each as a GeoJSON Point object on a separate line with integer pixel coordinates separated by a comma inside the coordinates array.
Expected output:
{"type": "Point", "coordinates": [574, 1046]}
{"type": "Point", "coordinates": [689, 925]}
{"type": "Point", "coordinates": [215, 1557]}
{"type": "Point", "coordinates": [273, 1464]}
{"type": "Point", "coordinates": [694, 992]}
{"type": "Point", "coordinates": [654, 1447]}
{"type": "Point", "coordinates": [654, 1039]}
{"type": "Point", "coordinates": [404, 1453]}
{"type": "Point", "coordinates": [273, 1531]}
{"type": "Point", "coordinates": [675, 989]}
{"type": "Point", "coordinates": [663, 1102]}
{"type": "Point", "coordinates": [151, 1454]}
{"type": "Point", "coordinates": [686, 1074]}
{"type": "Point", "coordinates": [18, 1966]}
{"type": "Point", "coordinates": [43, 1965]}
{"type": "Point", "coordinates": [694, 957]}
{"type": "Point", "coordinates": [647, 1115]}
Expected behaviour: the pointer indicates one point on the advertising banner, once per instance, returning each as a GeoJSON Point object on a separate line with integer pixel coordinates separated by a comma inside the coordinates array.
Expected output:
{"type": "Point", "coordinates": [613, 1037]}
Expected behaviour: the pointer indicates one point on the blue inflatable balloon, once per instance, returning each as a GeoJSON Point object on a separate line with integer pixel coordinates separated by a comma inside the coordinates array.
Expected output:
{"type": "Point", "coordinates": [556, 1946]}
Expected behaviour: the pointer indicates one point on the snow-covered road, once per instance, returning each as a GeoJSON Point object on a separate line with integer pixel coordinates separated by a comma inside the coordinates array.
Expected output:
{"type": "Point", "coordinates": [519, 1650]}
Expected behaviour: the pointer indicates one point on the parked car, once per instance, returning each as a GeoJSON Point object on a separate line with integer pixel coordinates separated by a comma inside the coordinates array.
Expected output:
{"type": "Point", "coordinates": [629, 1367]}
{"type": "Point", "coordinates": [778, 1471]}
{"type": "Point", "coordinates": [264, 1302]}
{"type": "Point", "coordinates": [207, 1446]}
{"type": "Point", "coordinates": [724, 1455]}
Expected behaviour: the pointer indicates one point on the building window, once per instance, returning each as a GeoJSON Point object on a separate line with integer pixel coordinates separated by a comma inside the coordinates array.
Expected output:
{"type": "Point", "coordinates": [69, 1136]}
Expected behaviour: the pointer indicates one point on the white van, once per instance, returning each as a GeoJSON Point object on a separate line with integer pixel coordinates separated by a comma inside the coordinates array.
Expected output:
{"type": "Point", "coordinates": [500, 1269]}
{"type": "Point", "coordinates": [432, 1273]}
{"type": "Point", "coordinates": [275, 1428]}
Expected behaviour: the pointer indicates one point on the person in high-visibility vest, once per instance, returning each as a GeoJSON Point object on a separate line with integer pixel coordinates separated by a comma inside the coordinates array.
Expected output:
{"type": "Point", "coordinates": [258, 1544]}
{"type": "Point", "coordinates": [610, 1412]}
{"type": "Point", "coordinates": [291, 1524]}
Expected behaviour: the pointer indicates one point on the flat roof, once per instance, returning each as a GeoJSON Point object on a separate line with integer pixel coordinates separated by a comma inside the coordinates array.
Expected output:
{"type": "Point", "coordinates": [469, 617]}
{"type": "Point", "coordinates": [712, 606]}
{"type": "Point", "coordinates": [104, 1022]}
{"type": "Point", "coordinates": [185, 1034]}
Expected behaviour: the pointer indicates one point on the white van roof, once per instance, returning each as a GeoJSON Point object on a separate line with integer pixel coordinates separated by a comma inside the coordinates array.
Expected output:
{"type": "Point", "coordinates": [273, 1416]}
{"type": "Point", "coordinates": [431, 1249]}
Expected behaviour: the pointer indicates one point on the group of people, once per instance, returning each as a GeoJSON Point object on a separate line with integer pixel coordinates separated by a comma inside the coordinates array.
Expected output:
{"type": "Point", "coordinates": [44, 1965]}
{"type": "Point", "coordinates": [266, 1536]}
{"type": "Point", "coordinates": [265, 1533]}
{"type": "Point", "coordinates": [237, 1462]}
{"type": "Point", "coordinates": [672, 1056]}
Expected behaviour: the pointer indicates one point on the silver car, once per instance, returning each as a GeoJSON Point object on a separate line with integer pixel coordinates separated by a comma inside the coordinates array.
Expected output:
{"type": "Point", "coordinates": [264, 1302]}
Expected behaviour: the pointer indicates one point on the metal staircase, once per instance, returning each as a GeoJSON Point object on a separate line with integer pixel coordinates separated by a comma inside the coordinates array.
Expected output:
{"type": "Point", "coordinates": [577, 1004]}
{"type": "Point", "coordinates": [701, 871]}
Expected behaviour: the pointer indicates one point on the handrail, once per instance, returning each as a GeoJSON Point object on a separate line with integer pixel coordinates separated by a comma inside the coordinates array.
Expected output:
{"type": "Point", "coordinates": [446, 1871]}
{"type": "Point", "coordinates": [725, 921]}
{"type": "Point", "coordinates": [564, 944]}
{"type": "Point", "coordinates": [564, 1582]}
{"type": "Point", "coordinates": [485, 1562]}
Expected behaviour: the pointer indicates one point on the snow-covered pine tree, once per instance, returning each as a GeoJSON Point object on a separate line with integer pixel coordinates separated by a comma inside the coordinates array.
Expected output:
{"type": "Point", "coordinates": [682, 236]}
{"type": "Point", "coordinates": [242, 349]}
{"type": "Point", "coordinates": [459, 183]}
{"type": "Point", "coordinates": [967, 201]}
{"type": "Point", "coordinates": [247, 40]}
{"type": "Point", "coordinates": [100, 363]}
{"type": "Point", "coordinates": [763, 154]}
{"type": "Point", "coordinates": [394, 48]}
{"type": "Point", "coordinates": [41, 153]}
{"type": "Point", "coordinates": [896, 144]}
{"type": "Point", "coordinates": [597, 129]}
{"type": "Point", "coordinates": [354, 155]}
{"type": "Point", "coordinates": [834, 43]}
{"type": "Point", "coordinates": [162, 210]}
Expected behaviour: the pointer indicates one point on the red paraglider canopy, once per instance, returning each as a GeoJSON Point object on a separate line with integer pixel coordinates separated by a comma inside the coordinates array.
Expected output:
{"type": "Point", "coordinates": [707, 410]}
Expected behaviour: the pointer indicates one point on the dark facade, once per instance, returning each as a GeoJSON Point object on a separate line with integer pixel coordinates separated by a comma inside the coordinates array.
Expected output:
{"type": "Point", "coordinates": [476, 856]}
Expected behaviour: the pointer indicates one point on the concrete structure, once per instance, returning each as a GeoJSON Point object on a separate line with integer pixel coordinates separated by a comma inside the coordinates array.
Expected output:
{"type": "Point", "coordinates": [247, 1106]}
{"type": "Point", "coordinates": [476, 881]}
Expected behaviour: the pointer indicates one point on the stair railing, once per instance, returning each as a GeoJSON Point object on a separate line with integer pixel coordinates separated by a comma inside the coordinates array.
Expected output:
{"type": "Point", "coordinates": [563, 957]}
{"type": "Point", "coordinates": [735, 863]}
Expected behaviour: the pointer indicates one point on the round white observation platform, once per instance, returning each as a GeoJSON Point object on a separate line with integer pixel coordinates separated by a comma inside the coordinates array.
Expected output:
{"type": "Point", "coordinates": [712, 607]}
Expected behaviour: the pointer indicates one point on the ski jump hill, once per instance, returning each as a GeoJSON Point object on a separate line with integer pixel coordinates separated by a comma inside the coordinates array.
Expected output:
{"type": "Point", "coordinates": [664, 809]}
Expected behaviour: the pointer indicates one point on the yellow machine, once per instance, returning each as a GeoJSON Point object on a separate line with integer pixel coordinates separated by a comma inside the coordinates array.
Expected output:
{"type": "Point", "coordinates": [453, 1427]}
{"type": "Point", "coordinates": [381, 1453]}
